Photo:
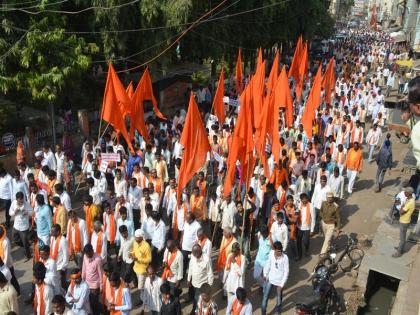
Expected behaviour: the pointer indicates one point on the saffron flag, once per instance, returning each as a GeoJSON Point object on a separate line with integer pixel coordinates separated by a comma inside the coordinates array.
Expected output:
{"type": "Point", "coordinates": [272, 78]}
{"type": "Point", "coordinates": [328, 81]}
{"type": "Point", "coordinates": [257, 94]}
{"type": "Point", "coordinates": [312, 104]}
{"type": "Point", "coordinates": [147, 91]}
{"type": "Point", "coordinates": [137, 117]}
{"type": "Point", "coordinates": [238, 73]}
{"type": "Point", "coordinates": [114, 102]}
{"type": "Point", "coordinates": [294, 67]}
{"type": "Point", "coordinates": [218, 105]}
{"type": "Point", "coordinates": [130, 90]}
{"type": "Point", "coordinates": [196, 145]}
{"type": "Point", "coordinates": [303, 68]}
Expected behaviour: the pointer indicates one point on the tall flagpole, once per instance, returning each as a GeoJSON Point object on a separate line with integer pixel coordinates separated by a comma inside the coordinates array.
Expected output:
{"type": "Point", "coordinates": [246, 199]}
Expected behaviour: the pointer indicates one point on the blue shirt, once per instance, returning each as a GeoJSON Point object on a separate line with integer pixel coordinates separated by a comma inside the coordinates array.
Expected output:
{"type": "Point", "coordinates": [264, 248]}
{"type": "Point", "coordinates": [43, 221]}
{"type": "Point", "coordinates": [131, 161]}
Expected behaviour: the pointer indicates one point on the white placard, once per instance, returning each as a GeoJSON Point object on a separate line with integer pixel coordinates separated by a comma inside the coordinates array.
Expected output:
{"type": "Point", "coordinates": [111, 157]}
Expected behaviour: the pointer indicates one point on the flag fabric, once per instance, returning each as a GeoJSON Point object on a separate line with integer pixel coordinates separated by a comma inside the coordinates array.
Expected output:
{"type": "Point", "coordinates": [272, 78]}
{"type": "Point", "coordinates": [137, 117]}
{"type": "Point", "coordinates": [328, 81]}
{"type": "Point", "coordinates": [196, 145]}
{"type": "Point", "coordinates": [259, 58]}
{"type": "Point", "coordinates": [242, 143]}
{"type": "Point", "coordinates": [257, 94]}
{"type": "Point", "coordinates": [218, 105]}
{"type": "Point", "coordinates": [238, 72]}
{"type": "Point", "coordinates": [283, 99]}
{"type": "Point", "coordinates": [303, 68]}
{"type": "Point", "coordinates": [147, 91]}
{"type": "Point", "coordinates": [114, 102]}
{"type": "Point", "coordinates": [294, 67]}
{"type": "Point", "coordinates": [130, 90]}
{"type": "Point", "coordinates": [312, 104]}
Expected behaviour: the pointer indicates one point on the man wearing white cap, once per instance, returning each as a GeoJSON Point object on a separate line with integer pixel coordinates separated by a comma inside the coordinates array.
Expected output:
{"type": "Point", "coordinates": [142, 257]}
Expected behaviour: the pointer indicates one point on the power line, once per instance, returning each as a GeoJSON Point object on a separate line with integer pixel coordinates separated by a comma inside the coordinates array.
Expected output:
{"type": "Point", "coordinates": [227, 16]}
{"type": "Point", "coordinates": [196, 22]}
{"type": "Point", "coordinates": [6, 9]}
{"type": "Point", "coordinates": [73, 12]}
{"type": "Point", "coordinates": [7, 53]}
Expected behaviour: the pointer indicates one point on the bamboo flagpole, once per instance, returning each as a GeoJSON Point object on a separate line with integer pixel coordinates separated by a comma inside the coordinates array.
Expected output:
{"type": "Point", "coordinates": [246, 199]}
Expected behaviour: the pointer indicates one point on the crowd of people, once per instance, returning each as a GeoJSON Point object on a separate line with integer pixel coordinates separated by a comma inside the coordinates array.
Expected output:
{"type": "Point", "coordinates": [132, 231]}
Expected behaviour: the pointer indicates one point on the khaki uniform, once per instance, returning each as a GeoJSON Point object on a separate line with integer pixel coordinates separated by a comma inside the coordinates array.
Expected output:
{"type": "Point", "coordinates": [330, 216]}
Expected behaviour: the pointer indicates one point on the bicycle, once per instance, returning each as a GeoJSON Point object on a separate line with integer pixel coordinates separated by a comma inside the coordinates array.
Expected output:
{"type": "Point", "coordinates": [350, 259]}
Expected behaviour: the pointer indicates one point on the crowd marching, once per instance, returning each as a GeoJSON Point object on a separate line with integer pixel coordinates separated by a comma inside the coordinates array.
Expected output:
{"type": "Point", "coordinates": [137, 229]}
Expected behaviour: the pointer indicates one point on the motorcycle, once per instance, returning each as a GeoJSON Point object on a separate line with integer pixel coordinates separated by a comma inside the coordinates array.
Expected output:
{"type": "Point", "coordinates": [325, 299]}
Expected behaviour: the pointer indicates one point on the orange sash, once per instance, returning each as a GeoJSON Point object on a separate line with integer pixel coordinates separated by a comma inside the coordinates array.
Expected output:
{"type": "Point", "coordinates": [202, 242]}
{"type": "Point", "coordinates": [89, 220]}
{"type": "Point", "coordinates": [236, 307]}
{"type": "Point", "coordinates": [195, 203]}
{"type": "Point", "coordinates": [57, 209]}
{"type": "Point", "coordinates": [36, 252]}
{"type": "Point", "coordinates": [203, 187]}
{"type": "Point", "coordinates": [55, 247]}
{"type": "Point", "coordinates": [41, 299]}
{"type": "Point", "coordinates": [105, 288]}
{"type": "Point", "coordinates": [112, 227]}
{"type": "Point", "coordinates": [117, 300]}
{"type": "Point", "coordinates": [221, 260]}
{"type": "Point", "coordinates": [167, 273]}
{"type": "Point", "coordinates": [2, 240]}
{"type": "Point", "coordinates": [99, 241]}
{"type": "Point", "coordinates": [229, 261]}
{"type": "Point", "coordinates": [307, 216]}
{"type": "Point", "coordinates": [78, 246]}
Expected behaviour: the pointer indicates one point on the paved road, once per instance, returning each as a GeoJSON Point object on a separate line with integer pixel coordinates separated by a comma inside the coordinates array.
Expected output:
{"type": "Point", "coordinates": [358, 217]}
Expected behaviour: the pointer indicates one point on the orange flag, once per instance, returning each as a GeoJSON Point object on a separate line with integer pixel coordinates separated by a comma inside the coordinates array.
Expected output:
{"type": "Point", "coordinates": [242, 143]}
{"type": "Point", "coordinates": [147, 91]}
{"type": "Point", "coordinates": [114, 102]}
{"type": "Point", "coordinates": [137, 117]}
{"type": "Point", "coordinates": [218, 105]}
{"type": "Point", "coordinates": [272, 78]}
{"type": "Point", "coordinates": [283, 98]}
{"type": "Point", "coordinates": [196, 145]}
{"type": "Point", "coordinates": [238, 72]}
{"type": "Point", "coordinates": [258, 87]}
{"type": "Point", "coordinates": [303, 68]}
{"type": "Point", "coordinates": [312, 104]}
{"type": "Point", "coordinates": [328, 81]}
{"type": "Point", "coordinates": [130, 90]}
{"type": "Point", "coordinates": [294, 67]}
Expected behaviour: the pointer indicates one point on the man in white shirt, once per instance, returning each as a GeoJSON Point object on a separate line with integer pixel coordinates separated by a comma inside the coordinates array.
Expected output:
{"type": "Point", "coordinates": [99, 241]}
{"type": "Point", "coordinates": [78, 294]}
{"type": "Point", "coordinates": [59, 157]}
{"type": "Point", "coordinates": [173, 267]}
{"type": "Point", "coordinates": [64, 196]}
{"type": "Point", "coordinates": [305, 225]}
{"type": "Point", "coordinates": [276, 272]}
{"type": "Point", "coordinates": [320, 195]}
{"type": "Point", "coordinates": [113, 304]}
{"type": "Point", "coordinates": [19, 185]}
{"type": "Point", "coordinates": [120, 184]}
{"type": "Point", "coordinates": [336, 183]}
{"type": "Point", "coordinates": [239, 302]}
{"type": "Point", "coordinates": [189, 236]}
{"type": "Point", "coordinates": [148, 224]}
{"type": "Point", "coordinates": [228, 213]}
{"type": "Point", "coordinates": [124, 254]}
{"type": "Point", "coordinates": [52, 276]}
{"type": "Point", "coordinates": [303, 184]}
{"type": "Point", "coordinates": [123, 203]}
{"type": "Point", "coordinates": [279, 231]}
{"type": "Point", "coordinates": [59, 306]}
{"type": "Point", "coordinates": [59, 252]}
{"type": "Point", "coordinates": [199, 272]}
{"type": "Point", "coordinates": [43, 291]}
{"type": "Point", "coordinates": [372, 139]}
{"type": "Point", "coordinates": [123, 220]}
{"type": "Point", "coordinates": [49, 157]}
{"type": "Point", "coordinates": [21, 211]}
{"type": "Point", "coordinates": [5, 193]}
{"type": "Point", "coordinates": [158, 238]}
{"type": "Point", "coordinates": [134, 198]}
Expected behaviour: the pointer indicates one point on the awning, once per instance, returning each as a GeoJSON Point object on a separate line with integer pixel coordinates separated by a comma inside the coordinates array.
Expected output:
{"type": "Point", "coordinates": [398, 37]}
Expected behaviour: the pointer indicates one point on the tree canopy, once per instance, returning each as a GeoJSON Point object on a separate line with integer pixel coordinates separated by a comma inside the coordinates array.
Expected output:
{"type": "Point", "coordinates": [50, 47]}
